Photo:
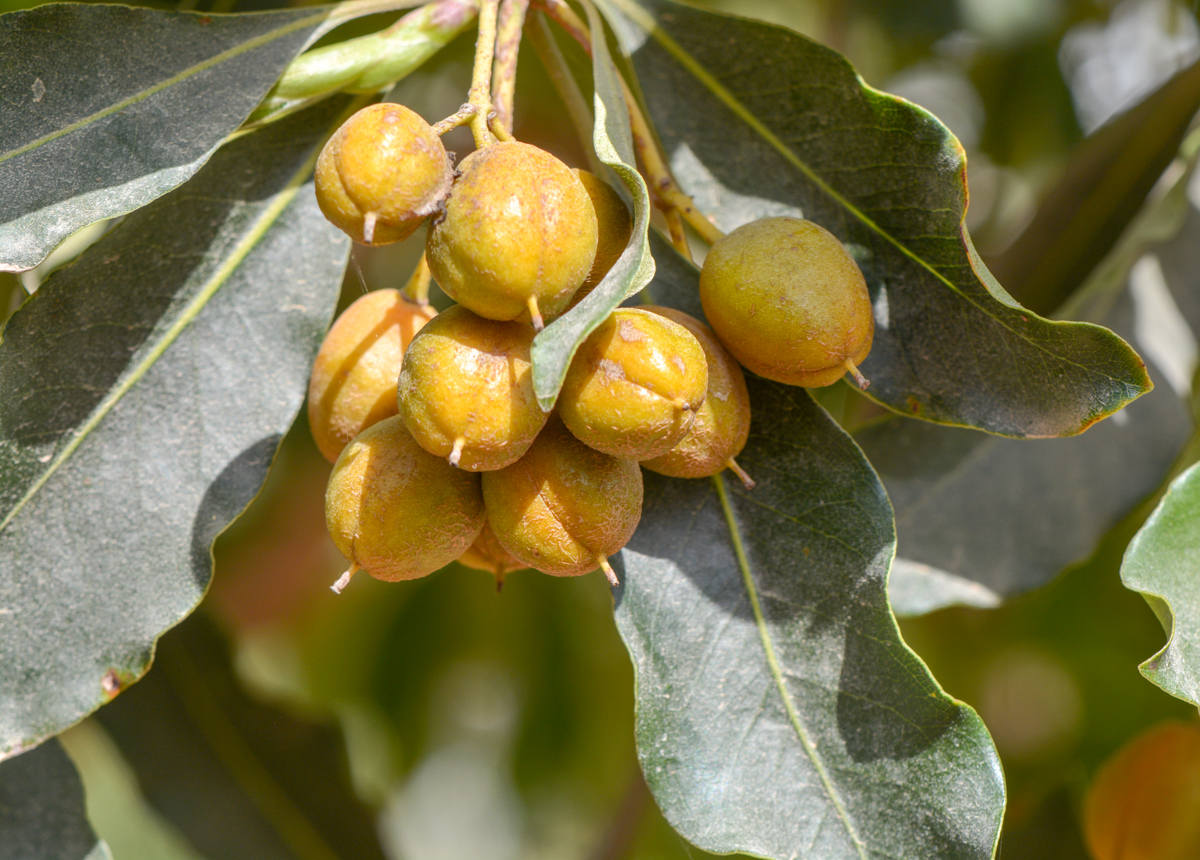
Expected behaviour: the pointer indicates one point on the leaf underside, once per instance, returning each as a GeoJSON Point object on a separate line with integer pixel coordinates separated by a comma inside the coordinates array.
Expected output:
{"type": "Point", "coordinates": [143, 392]}
{"type": "Point", "coordinates": [42, 815]}
{"type": "Point", "coordinates": [109, 107]}
{"type": "Point", "coordinates": [757, 120]}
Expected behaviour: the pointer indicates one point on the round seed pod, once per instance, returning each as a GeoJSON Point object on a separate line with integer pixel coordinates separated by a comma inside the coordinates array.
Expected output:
{"type": "Point", "coordinates": [787, 300]}
{"type": "Point", "coordinates": [564, 508]}
{"type": "Point", "coordinates": [397, 511]}
{"type": "Point", "coordinates": [353, 382]}
{"type": "Point", "coordinates": [722, 422]}
{"type": "Point", "coordinates": [634, 386]}
{"type": "Point", "coordinates": [381, 174]}
{"type": "Point", "coordinates": [614, 226]}
{"type": "Point", "coordinates": [518, 237]}
{"type": "Point", "coordinates": [487, 554]}
{"type": "Point", "coordinates": [465, 390]}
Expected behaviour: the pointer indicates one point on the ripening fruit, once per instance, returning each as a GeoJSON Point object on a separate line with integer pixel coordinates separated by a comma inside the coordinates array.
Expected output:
{"type": "Point", "coordinates": [397, 511]}
{"type": "Point", "coordinates": [487, 554]}
{"type": "Point", "coordinates": [564, 508]}
{"type": "Point", "coordinates": [722, 422]}
{"type": "Point", "coordinates": [634, 386]}
{"type": "Point", "coordinates": [381, 174]}
{"type": "Point", "coordinates": [353, 382]}
{"type": "Point", "coordinates": [613, 225]}
{"type": "Point", "coordinates": [518, 237]}
{"type": "Point", "coordinates": [1144, 804]}
{"type": "Point", "coordinates": [466, 390]}
{"type": "Point", "coordinates": [787, 300]}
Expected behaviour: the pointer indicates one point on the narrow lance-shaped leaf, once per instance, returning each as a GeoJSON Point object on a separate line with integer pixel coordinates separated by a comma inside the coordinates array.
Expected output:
{"type": "Point", "coordinates": [758, 120]}
{"type": "Point", "coordinates": [1163, 564]}
{"type": "Point", "coordinates": [778, 711]}
{"type": "Point", "coordinates": [105, 108]}
{"type": "Point", "coordinates": [143, 391]}
{"type": "Point", "coordinates": [555, 346]}
{"type": "Point", "coordinates": [42, 815]}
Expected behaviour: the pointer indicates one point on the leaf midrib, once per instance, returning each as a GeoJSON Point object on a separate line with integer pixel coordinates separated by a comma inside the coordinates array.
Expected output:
{"type": "Point", "coordinates": [240, 251]}
{"type": "Point", "coordinates": [646, 21]}
{"type": "Point", "coordinates": [777, 671]}
{"type": "Point", "coordinates": [191, 71]}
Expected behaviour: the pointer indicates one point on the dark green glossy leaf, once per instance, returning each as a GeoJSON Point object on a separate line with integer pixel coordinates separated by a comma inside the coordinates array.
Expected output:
{"type": "Point", "coordinates": [108, 107]}
{"type": "Point", "coordinates": [554, 347]}
{"type": "Point", "coordinates": [204, 751]}
{"type": "Point", "coordinates": [1163, 564]}
{"type": "Point", "coordinates": [42, 816]}
{"type": "Point", "coordinates": [143, 391]}
{"type": "Point", "coordinates": [757, 120]}
{"type": "Point", "coordinates": [779, 712]}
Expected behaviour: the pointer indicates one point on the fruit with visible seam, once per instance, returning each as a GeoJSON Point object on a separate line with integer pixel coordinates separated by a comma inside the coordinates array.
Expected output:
{"type": "Point", "coordinates": [397, 511]}
{"type": "Point", "coordinates": [518, 236]}
{"type": "Point", "coordinates": [465, 390]}
{"type": "Point", "coordinates": [353, 381]}
{"type": "Point", "coordinates": [381, 174]}
{"type": "Point", "coordinates": [789, 302]}
{"type": "Point", "coordinates": [564, 508]}
{"type": "Point", "coordinates": [634, 385]}
{"type": "Point", "coordinates": [614, 226]}
{"type": "Point", "coordinates": [722, 422]}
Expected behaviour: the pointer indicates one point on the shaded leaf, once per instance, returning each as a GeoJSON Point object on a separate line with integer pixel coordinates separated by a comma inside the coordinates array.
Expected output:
{"type": "Point", "coordinates": [1163, 564]}
{"type": "Point", "coordinates": [108, 107]}
{"type": "Point", "coordinates": [555, 346]}
{"type": "Point", "coordinates": [143, 391]}
{"type": "Point", "coordinates": [758, 120]}
{"type": "Point", "coordinates": [42, 815]}
{"type": "Point", "coordinates": [204, 751]}
{"type": "Point", "coordinates": [779, 712]}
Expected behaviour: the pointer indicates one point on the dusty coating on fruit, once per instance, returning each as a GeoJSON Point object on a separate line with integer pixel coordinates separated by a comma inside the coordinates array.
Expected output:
{"type": "Point", "coordinates": [634, 386]}
{"type": "Point", "coordinates": [518, 224]}
{"type": "Point", "coordinates": [614, 226]}
{"type": "Point", "coordinates": [1144, 803]}
{"type": "Point", "coordinates": [398, 511]}
{"type": "Point", "coordinates": [563, 506]}
{"type": "Point", "coordinates": [385, 160]}
{"type": "Point", "coordinates": [722, 422]}
{"type": "Point", "coordinates": [353, 382]}
{"type": "Point", "coordinates": [487, 554]}
{"type": "Point", "coordinates": [469, 378]}
{"type": "Point", "coordinates": [787, 301]}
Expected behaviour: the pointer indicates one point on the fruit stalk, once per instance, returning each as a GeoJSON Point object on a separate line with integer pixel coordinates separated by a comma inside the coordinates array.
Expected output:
{"type": "Point", "coordinates": [504, 70]}
{"type": "Point", "coordinates": [541, 39]}
{"type": "Point", "coordinates": [480, 95]}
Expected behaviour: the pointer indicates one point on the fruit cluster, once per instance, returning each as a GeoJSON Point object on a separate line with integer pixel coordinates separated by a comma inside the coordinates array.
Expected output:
{"type": "Point", "coordinates": [442, 451]}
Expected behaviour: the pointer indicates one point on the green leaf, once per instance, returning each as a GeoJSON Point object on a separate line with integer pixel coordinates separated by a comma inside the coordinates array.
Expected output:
{"type": "Point", "coordinates": [757, 120]}
{"type": "Point", "coordinates": [555, 346]}
{"type": "Point", "coordinates": [108, 107]}
{"type": "Point", "coordinates": [779, 712]}
{"type": "Point", "coordinates": [1163, 564]}
{"type": "Point", "coordinates": [205, 751]}
{"type": "Point", "coordinates": [143, 391]}
{"type": "Point", "coordinates": [42, 814]}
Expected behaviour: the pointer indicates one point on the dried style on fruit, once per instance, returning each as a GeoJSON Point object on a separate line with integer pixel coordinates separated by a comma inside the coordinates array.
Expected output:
{"type": "Point", "coordinates": [466, 390]}
{"type": "Point", "coordinates": [397, 511]}
{"type": "Point", "coordinates": [787, 300]}
{"type": "Point", "coordinates": [381, 174]}
{"type": "Point", "coordinates": [564, 508]}
{"type": "Point", "coordinates": [722, 422]}
{"type": "Point", "coordinates": [353, 382]}
{"type": "Point", "coordinates": [518, 236]}
{"type": "Point", "coordinates": [634, 385]}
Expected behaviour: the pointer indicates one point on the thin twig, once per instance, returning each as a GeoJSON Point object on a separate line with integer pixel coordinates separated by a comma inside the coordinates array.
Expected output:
{"type": "Point", "coordinates": [541, 39]}
{"type": "Point", "coordinates": [504, 69]}
{"type": "Point", "coordinates": [678, 233]}
{"type": "Point", "coordinates": [460, 117]}
{"type": "Point", "coordinates": [480, 96]}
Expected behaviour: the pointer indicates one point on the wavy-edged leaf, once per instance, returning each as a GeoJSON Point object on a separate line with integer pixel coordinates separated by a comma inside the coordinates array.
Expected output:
{"type": "Point", "coordinates": [205, 751]}
{"type": "Point", "coordinates": [779, 713]}
{"type": "Point", "coordinates": [1163, 564]}
{"type": "Point", "coordinates": [555, 346]}
{"type": "Point", "coordinates": [143, 391]}
{"type": "Point", "coordinates": [757, 120]}
{"type": "Point", "coordinates": [105, 108]}
{"type": "Point", "coordinates": [42, 814]}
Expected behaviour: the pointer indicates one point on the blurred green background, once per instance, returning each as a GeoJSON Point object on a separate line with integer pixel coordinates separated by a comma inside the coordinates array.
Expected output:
{"type": "Point", "coordinates": [493, 726]}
